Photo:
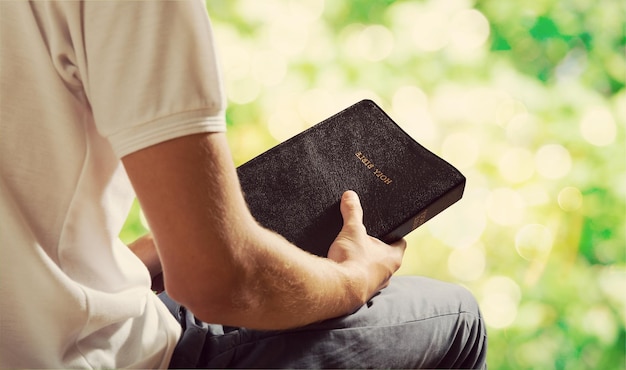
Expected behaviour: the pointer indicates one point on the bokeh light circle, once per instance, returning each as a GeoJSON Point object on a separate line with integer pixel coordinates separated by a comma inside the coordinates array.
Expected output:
{"type": "Point", "coordinates": [269, 67]}
{"type": "Point", "coordinates": [553, 161]}
{"type": "Point", "coordinates": [598, 126]}
{"type": "Point", "coordinates": [570, 199]}
{"type": "Point", "coordinates": [284, 123]}
{"type": "Point", "coordinates": [467, 264]}
{"type": "Point", "coordinates": [469, 29]}
{"type": "Point", "coordinates": [533, 241]}
{"type": "Point", "coordinates": [410, 109]}
{"type": "Point", "coordinates": [516, 165]}
{"type": "Point", "coordinates": [500, 300]}
{"type": "Point", "coordinates": [375, 43]}
{"type": "Point", "coordinates": [430, 30]}
{"type": "Point", "coordinates": [505, 206]}
{"type": "Point", "coordinates": [461, 149]}
{"type": "Point", "coordinates": [243, 91]}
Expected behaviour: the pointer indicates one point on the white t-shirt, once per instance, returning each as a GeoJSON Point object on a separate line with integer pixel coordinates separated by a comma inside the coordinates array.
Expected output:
{"type": "Point", "coordinates": [81, 85]}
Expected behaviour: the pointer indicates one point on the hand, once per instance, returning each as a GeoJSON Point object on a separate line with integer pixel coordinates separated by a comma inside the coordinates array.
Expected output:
{"type": "Point", "coordinates": [145, 249]}
{"type": "Point", "coordinates": [376, 261]}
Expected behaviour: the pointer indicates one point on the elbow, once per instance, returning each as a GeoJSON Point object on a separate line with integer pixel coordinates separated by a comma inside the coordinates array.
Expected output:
{"type": "Point", "coordinates": [177, 290]}
{"type": "Point", "coordinates": [219, 298]}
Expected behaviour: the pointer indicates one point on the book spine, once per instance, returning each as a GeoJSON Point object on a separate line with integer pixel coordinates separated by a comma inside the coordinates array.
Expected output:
{"type": "Point", "coordinates": [426, 214]}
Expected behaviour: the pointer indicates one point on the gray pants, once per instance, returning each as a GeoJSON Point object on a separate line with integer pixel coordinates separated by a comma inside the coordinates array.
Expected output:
{"type": "Point", "coordinates": [415, 322]}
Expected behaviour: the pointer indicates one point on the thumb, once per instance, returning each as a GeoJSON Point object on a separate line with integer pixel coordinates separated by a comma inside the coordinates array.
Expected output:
{"type": "Point", "coordinates": [351, 209]}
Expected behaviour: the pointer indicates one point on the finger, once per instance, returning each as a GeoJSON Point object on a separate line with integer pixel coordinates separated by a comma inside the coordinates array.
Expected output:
{"type": "Point", "coordinates": [351, 209]}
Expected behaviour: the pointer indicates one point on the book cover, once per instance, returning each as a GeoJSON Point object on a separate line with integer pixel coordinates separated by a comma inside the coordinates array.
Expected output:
{"type": "Point", "coordinates": [295, 187]}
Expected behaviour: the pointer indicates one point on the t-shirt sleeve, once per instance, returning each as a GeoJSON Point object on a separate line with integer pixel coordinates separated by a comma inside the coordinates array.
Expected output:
{"type": "Point", "coordinates": [150, 72]}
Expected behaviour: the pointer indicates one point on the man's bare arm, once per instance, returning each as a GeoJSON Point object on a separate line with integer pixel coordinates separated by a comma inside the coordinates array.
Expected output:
{"type": "Point", "coordinates": [226, 268]}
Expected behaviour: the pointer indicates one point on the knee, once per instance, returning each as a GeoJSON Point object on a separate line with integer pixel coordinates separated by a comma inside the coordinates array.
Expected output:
{"type": "Point", "coordinates": [471, 327]}
{"type": "Point", "coordinates": [450, 313]}
{"type": "Point", "coordinates": [467, 307]}
{"type": "Point", "coordinates": [466, 300]}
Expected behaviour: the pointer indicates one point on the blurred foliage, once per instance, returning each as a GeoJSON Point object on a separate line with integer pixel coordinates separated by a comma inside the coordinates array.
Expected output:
{"type": "Point", "coordinates": [527, 99]}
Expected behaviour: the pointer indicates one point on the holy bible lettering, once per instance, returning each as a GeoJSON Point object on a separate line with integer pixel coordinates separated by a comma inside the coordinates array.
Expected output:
{"type": "Point", "coordinates": [378, 173]}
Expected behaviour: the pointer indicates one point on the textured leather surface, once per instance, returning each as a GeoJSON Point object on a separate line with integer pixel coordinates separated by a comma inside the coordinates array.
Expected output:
{"type": "Point", "coordinates": [295, 187]}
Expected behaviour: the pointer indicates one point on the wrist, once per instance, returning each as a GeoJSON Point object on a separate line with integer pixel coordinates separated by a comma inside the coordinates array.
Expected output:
{"type": "Point", "coordinates": [355, 282]}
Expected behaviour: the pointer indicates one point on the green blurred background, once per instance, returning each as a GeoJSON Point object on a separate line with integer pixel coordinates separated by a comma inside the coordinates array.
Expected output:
{"type": "Point", "coordinates": [527, 99]}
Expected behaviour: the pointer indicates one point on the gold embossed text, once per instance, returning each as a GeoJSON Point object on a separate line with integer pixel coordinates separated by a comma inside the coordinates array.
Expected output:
{"type": "Point", "coordinates": [369, 165]}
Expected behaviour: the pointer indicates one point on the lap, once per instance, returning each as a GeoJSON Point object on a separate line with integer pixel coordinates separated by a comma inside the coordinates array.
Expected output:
{"type": "Point", "coordinates": [414, 322]}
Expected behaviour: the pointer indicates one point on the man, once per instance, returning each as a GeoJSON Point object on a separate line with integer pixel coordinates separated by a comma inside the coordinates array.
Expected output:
{"type": "Point", "coordinates": [96, 93]}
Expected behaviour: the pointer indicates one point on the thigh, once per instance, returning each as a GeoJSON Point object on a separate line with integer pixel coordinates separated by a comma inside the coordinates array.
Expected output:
{"type": "Point", "coordinates": [413, 323]}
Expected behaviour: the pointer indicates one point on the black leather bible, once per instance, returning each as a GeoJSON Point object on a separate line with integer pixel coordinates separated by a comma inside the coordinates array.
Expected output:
{"type": "Point", "coordinates": [295, 187]}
